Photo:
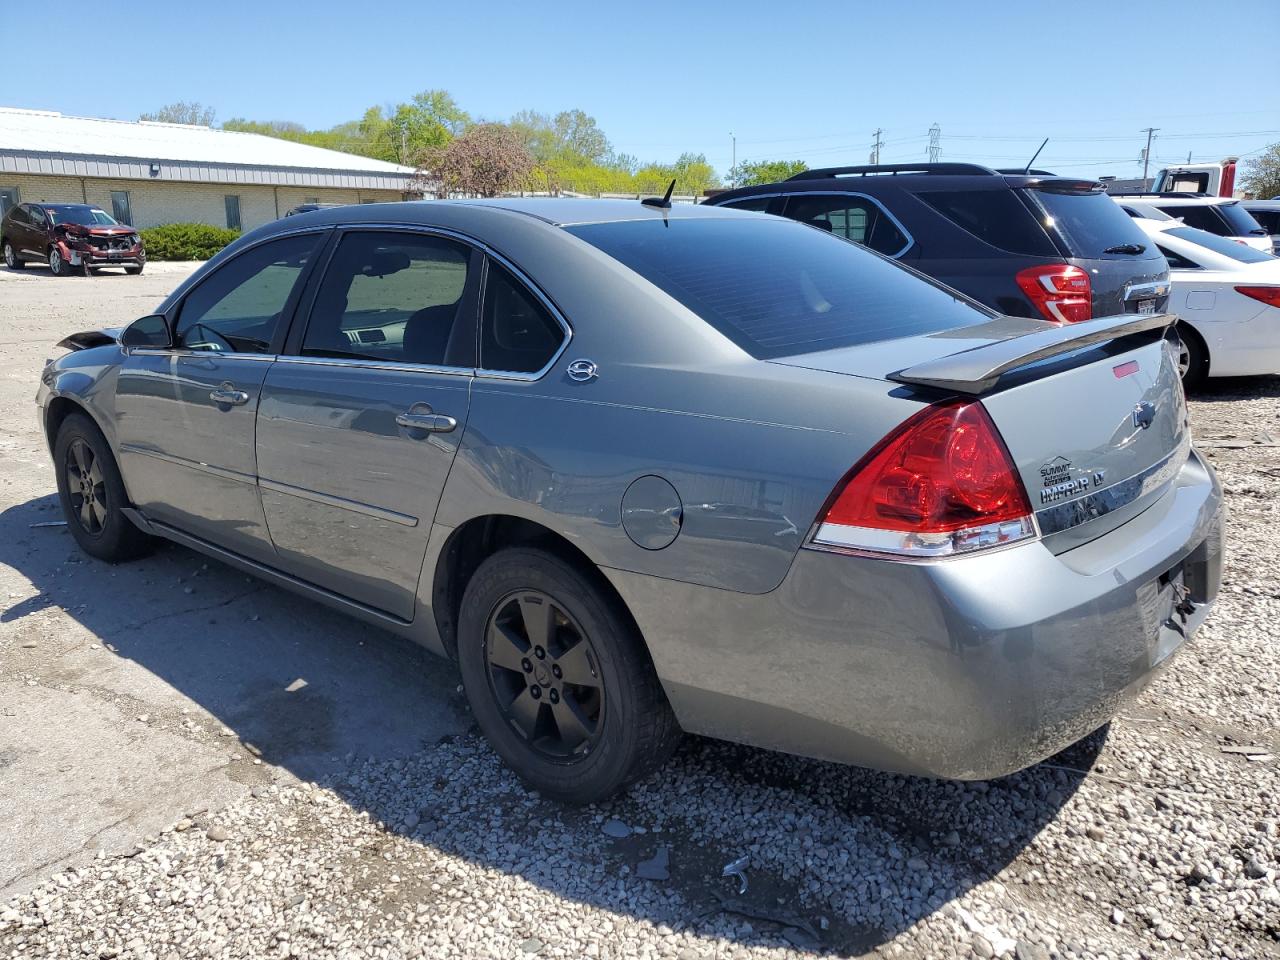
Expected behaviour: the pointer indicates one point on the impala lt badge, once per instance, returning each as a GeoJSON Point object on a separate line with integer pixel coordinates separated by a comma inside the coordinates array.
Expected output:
{"type": "Point", "coordinates": [1144, 414]}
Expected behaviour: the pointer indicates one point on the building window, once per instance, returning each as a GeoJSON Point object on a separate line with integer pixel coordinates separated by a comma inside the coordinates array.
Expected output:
{"type": "Point", "coordinates": [8, 198]}
{"type": "Point", "coordinates": [233, 212]}
{"type": "Point", "coordinates": [120, 206]}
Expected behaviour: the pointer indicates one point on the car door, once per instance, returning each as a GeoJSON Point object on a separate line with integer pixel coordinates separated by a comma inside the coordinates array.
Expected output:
{"type": "Point", "coordinates": [185, 414]}
{"type": "Point", "coordinates": [362, 416]}
{"type": "Point", "coordinates": [35, 233]}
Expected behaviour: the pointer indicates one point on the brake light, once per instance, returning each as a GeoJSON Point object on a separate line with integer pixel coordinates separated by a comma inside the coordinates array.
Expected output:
{"type": "Point", "coordinates": [1268, 295]}
{"type": "Point", "coordinates": [1061, 292]}
{"type": "Point", "coordinates": [941, 483]}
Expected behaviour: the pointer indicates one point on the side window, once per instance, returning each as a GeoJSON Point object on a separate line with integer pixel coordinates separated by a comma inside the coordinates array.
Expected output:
{"type": "Point", "coordinates": [238, 308]}
{"type": "Point", "coordinates": [395, 297]}
{"type": "Point", "coordinates": [1202, 218]}
{"type": "Point", "coordinates": [854, 218]}
{"type": "Point", "coordinates": [1177, 262]}
{"type": "Point", "coordinates": [38, 218]}
{"type": "Point", "coordinates": [20, 215]}
{"type": "Point", "coordinates": [996, 217]}
{"type": "Point", "coordinates": [517, 333]}
{"type": "Point", "coordinates": [760, 204]}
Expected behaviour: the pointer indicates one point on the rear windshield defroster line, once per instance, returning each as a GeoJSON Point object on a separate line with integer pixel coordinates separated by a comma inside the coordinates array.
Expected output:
{"type": "Point", "coordinates": [778, 288]}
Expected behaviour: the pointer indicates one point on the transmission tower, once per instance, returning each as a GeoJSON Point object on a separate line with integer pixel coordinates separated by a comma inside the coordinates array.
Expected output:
{"type": "Point", "coordinates": [935, 143]}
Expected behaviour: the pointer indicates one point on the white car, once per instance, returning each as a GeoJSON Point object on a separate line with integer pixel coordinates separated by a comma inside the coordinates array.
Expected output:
{"type": "Point", "coordinates": [1228, 298]}
{"type": "Point", "coordinates": [1217, 215]}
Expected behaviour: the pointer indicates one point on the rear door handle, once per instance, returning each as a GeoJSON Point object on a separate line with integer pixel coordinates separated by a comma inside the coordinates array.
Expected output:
{"type": "Point", "coordinates": [229, 395]}
{"type": "Point", "coordinates": [429, 422]}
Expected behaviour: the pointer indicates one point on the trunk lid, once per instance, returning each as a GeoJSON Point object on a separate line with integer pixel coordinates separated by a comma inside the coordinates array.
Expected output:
{"type": "Point", "coordinates": [1093, 413]}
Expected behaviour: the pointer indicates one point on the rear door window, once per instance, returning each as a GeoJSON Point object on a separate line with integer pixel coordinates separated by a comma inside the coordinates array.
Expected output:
{"type": "Point", "coordinates": [759, 204]}
{"type": "Point", "coordinates": [855, 218]}
{"type": "Point", "coordinates": [996, 217]}
{"type": "Point", "coordinates": [1090, 224]}
{"type": "Point", "coordinates": [777, 288]}
{"type": "Point", "coordinates": [518, 334]}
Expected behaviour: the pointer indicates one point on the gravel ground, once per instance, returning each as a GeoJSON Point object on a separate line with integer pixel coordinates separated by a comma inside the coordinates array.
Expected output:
{"type": "Point", "coordinates": [1156, 837]}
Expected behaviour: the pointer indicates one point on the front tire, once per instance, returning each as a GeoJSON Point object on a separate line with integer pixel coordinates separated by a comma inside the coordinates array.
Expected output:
{"type": "Point", "coordinates": [558, 678]}
{"type": "Point", "coordinates": [92, 493]}
{"type": "Point", "coordinates": [11, 258]}
{"type": "Point", "coordinates": [57, 266]}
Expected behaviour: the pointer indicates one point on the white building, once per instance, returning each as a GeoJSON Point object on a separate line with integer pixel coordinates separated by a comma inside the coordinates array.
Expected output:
{"type": "Point", "coordinates": [148, 173]}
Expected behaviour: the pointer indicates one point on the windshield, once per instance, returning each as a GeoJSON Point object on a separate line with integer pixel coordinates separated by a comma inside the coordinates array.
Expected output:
{"type": "Point", "coordinates": [85, 216]}
{"type": "Point", "coordinates": [1228, 248]}
{"type": "Point", "coordinates": [778, 288]}
{"type": "Point", "coordinates": [1090, 224]}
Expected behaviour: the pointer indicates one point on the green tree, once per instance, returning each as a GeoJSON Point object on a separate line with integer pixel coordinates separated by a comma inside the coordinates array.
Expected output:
{"type": "Point", "coordinates": [749, 173]}
{"type": "Point", "coordinates": [408, 132]}
{"type": "Point", "coordinates": [1262, 174]}
{"type": "Point", "coordinates": [196, 114]}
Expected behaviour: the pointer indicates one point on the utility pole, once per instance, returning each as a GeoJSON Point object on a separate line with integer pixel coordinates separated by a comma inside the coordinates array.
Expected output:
{"type": "Point", "coordinates": [733, 171]}
{"type": "Point", "coordinates": [935, 143]}
{"type": "Point", "coordinates": [1146, 154]}
{"type": "Point", "coordinates": [875, 150]}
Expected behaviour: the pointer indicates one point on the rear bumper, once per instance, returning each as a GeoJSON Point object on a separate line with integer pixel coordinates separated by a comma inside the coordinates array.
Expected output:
{"type": "Point", "coordinates": [968, 668]}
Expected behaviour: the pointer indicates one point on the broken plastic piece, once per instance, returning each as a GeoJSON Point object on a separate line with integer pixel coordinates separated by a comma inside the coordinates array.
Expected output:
{"type": "Point", "coordinates": [738, 868]}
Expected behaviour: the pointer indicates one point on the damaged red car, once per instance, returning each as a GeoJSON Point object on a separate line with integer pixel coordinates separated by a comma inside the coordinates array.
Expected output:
{"type": "Point", "coordinates": [69, 237]}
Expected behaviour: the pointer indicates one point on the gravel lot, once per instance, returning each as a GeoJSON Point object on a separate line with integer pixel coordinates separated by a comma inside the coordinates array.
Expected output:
{"type": "Point", "coordinates": [172, 791]}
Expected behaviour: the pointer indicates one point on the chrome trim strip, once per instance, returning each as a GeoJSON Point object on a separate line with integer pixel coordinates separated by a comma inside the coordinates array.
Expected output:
{"type": "Point", "coordinates": [1155, 288]}
{"type": "Point", "coordinates": [375, 365]}
{"type": "Point", "coordinates": [1064, 516]}
{"type": "Point", "coordinates": [221, 472]}
{"type": "Point", "coordinates": [835, 193]}
{"type": "Point", "coordinates": [200, 354]}
{"type": "Point", "coordinates": [355, 506]}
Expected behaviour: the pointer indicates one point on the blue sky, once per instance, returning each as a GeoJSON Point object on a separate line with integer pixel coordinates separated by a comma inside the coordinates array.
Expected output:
{"type": "Point", "coordinates": [808, 81]}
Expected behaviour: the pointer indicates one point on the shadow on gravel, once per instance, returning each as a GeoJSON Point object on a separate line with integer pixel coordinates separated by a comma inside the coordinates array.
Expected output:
{"type": "Point", "coordinates": [841, 859]}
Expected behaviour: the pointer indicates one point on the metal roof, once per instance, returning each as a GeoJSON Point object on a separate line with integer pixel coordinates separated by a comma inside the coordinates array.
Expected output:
{"type": "Point", "coordinates": [40, 142]}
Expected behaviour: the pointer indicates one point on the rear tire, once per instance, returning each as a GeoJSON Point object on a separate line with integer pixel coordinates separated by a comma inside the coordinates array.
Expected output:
{"type": "Point", "coordinates": [11, 258]}
{"type": "Point", "coordinates": [92, 493]}
{"type": "Point", "coordinates": [532, 626]}
{"type": "Point", "coordinates": [1193, 357]}
{"type": "Point", "coordinates": [133, 271]}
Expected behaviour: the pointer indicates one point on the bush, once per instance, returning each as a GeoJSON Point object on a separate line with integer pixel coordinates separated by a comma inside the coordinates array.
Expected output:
{"type": "Point", "coordinates": [185, 241]}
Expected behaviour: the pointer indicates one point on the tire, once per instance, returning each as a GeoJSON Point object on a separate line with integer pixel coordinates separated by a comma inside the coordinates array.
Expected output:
{"type": "Point", "coordinates": [133, 271]}
{"type": "Point", "coordinates": [590, 739]}
{"type": "Point", "coordinates": [57, 266]}
{"type": "Point", "coordinates": [1193, 360]}
{"type": "Point", "coordinates": [11, 258]}
{"type": "Point", "coordinates": [92, 493]}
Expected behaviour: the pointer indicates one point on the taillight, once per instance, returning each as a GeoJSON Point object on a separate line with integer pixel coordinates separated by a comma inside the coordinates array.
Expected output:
{"type": "Point", "coordinates": [1268, 295]}
{"type": "Point", "coordinates": [941, 483]}
{"type": "Point", "coordinates": [1061, 291]}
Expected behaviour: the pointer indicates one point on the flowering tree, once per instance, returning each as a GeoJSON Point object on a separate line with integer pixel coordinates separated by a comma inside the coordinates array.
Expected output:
{"type": "Point", "coordinates": [486, 160]}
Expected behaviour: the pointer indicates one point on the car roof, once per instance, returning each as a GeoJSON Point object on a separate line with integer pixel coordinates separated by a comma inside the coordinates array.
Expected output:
{"type": "Point", "coordinates": [1261, 204]}
{"type": "Point", "coordinates": [1176, 201]}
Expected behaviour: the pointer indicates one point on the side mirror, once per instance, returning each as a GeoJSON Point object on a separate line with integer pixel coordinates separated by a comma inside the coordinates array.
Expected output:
{"type": "Point", "coordinates": [152, 331]}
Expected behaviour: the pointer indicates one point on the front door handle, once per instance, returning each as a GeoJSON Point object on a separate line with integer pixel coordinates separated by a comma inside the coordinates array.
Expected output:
{"type": "Point", "coordinates": [428, 422]}
{"type": "Point", "coordinates": [228, 394]}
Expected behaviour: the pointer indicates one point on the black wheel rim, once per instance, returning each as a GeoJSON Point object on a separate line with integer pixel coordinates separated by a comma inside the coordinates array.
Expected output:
{"type": "Point", "coordinates": [544, 675]}
{"type": "Point", "coordinates": [86, 488]}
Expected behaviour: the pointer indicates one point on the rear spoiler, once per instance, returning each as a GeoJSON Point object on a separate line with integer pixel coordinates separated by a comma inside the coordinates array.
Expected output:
{"type": "Point", "coordinates": [976, 371]}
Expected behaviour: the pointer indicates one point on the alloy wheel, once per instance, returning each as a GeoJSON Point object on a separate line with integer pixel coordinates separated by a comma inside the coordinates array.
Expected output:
{"type": "Point", "coordinates": [55, 260]}
{"type": "Point", "coordinates": [1184, 358]}
{"type": "Point", "coordinates": [9, 257]}
{"type": "Point", "coordinates": [86, 488]}
{"type": "Point", "coordinates": [545, 675]}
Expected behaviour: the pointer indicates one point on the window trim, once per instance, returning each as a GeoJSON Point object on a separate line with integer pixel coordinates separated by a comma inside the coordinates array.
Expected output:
{"type": "Point", "coordinates": [911, 241]}
{"type": "Point", "coordinates": [174, 311]}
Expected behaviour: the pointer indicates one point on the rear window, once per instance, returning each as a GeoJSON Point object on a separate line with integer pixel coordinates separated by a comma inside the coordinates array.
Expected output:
{"type": "Point", "coordinates": [777, 288]}
{"type": "Point", "coordinates": [1240, 220]}
{"type": "Point", "coordinates": [1224, 219]}
{"type": "Point", "coordinates": [1090, 223]}
{"type": "Point", "coordinates": [1268, 219]}
{"type": "Point", "coordinates": [1228, 248]}
{"type": "Point", "coordinates": [996, 217]}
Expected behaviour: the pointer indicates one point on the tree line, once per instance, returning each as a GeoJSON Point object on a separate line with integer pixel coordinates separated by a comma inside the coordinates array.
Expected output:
{"type": "Point", "coordinates": [456, 153]}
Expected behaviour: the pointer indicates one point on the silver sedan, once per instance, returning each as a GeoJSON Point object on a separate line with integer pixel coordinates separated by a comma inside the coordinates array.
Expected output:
{"type": "Point", "coordinates": [642, 469]}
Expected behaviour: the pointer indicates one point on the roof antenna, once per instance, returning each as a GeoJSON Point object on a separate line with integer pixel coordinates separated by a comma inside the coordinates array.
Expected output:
{"type": "Point", "coordinates": [1034, 155]}
{"type": "Point", "coordinates": [663, 202]}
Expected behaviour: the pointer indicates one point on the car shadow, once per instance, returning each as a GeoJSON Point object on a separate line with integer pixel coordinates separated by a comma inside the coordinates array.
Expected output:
{"type": "Point", "coordinates": [377, 720]}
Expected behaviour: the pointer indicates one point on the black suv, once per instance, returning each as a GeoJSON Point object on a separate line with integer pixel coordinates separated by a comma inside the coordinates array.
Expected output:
{"type": "Point", "coordinates": [1026, 243]}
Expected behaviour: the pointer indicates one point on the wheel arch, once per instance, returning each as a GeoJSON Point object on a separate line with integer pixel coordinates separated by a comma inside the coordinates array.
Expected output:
{"type": "Point", "coordinates": [479, 538]}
